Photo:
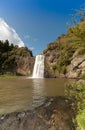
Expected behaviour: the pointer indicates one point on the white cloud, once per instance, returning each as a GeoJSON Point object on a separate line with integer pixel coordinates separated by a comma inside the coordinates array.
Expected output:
{"type": "Point", "coordinates": [7, 32]}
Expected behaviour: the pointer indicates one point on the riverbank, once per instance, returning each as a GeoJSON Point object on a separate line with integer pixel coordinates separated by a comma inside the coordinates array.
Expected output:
{"type": "Point", "coordinates": [75, 93]}
{"type": "Point", "coordinates": [9, 76]}
{"type": "Point", "coordinates": [54, 114]}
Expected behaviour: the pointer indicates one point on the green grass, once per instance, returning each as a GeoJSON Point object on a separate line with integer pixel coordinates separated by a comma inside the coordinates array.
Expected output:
{"type": "Point", "coordinates": [75, 93]}
{"type": "Point", "coordinates": [8, 76]}
{"type": "Point", "coordinates": [81, 120]}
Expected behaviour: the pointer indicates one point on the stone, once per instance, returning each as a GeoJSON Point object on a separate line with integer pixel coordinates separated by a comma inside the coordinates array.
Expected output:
{"type": "Point", "coordinates": [76, 68]}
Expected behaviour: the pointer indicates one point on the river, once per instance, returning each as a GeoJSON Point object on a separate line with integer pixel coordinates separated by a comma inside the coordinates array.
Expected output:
{"type": "Point", "coordinates": [19, 94]}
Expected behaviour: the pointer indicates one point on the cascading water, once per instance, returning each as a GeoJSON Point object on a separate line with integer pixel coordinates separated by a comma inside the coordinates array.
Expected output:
{"type": "Point", "coordinates": [38, 71]}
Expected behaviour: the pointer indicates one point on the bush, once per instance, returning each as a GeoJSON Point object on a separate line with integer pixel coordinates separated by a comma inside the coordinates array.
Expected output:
{"type": "Point", "coordinates": [81, 51]}
{"type": "Point", "coordinates": [9, 54]}
{"type": "Point", "coordinates": [76, 96]}
{"type": "Point", "coordinates": [81, 120]}
{"type": "Point", "coordinates": [83, 76]}
{"type": "Point", "coordinates": [75, 92]}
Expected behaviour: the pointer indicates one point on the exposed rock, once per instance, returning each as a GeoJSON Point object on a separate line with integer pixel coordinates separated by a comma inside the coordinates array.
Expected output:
{"type": "Point", "coordinates": [15, 60]}
{"type": "Point", "coordinates": [24, 65]}
{"type": "Point", "coordinates": [77, 67]}
{"type": "Point", "coordinates": [51, 57]}
{"type": "Point", "coordinates": [55, 114]}
{"type": "Point", "coordinates": [65, 57]}
{"type": "Point", "coordinates": [81, 81]}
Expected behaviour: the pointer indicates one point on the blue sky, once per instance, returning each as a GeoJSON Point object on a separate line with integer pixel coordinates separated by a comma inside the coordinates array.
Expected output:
{"type": "Point", "coordinates": [38, 22]}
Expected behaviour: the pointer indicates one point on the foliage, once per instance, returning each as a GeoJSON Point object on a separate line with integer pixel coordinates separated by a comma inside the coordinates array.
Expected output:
{"type": "Point", "coordinates": [76, 93]}
{"type": "Point", "coordinates": [9, 54]}
{"type": "Point", "coordinates": [9, 75]}
{"type": "Point", "coordinates": [76, 96]}
{"type": "Point", "coordinates": [81, 120]}
{"type": "Point", "coordinates": [54, 68]}
{"type": "Point", "coordinates": [67, 45]}
{"type": "Point", "coordinates": [78, 32]}
{"type": "Point", "coordinates": [81, 51]}
{"type": "Point", "coordinates": [83, 76]}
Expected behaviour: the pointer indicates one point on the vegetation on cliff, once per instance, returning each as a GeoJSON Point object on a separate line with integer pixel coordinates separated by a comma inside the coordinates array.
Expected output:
{"type": "Point", "coordinates": [9, 56]}
{"type": "Point", "coordinates": [64, 48]}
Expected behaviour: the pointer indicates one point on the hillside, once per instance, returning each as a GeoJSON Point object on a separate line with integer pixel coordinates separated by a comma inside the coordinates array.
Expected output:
{"type": "Point", "coordinates": [15, 60]}
{"type": "Point", "coordinates": [65, 57]}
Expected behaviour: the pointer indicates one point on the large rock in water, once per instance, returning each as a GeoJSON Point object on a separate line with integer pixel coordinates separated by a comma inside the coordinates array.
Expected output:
{"type": "Point", "coordinates": [77, 67]}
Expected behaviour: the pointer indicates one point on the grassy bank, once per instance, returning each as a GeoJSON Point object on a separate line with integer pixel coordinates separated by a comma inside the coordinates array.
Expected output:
{"type": "Point", "coordinates": [9, 76]}
{"type": "Point", "coordinates": [76, 97]}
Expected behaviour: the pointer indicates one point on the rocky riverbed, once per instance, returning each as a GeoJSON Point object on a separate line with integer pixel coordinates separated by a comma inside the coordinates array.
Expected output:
{"type": "Point", "coordinates": [54, 114]}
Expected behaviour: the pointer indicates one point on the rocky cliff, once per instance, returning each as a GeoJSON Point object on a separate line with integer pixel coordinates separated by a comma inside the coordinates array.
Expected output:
{"type": "Point", "coordinates": [77, 67]}
{"type": "Point", "coordinates": [25, 65]}
{"type": "Point", "coordinates": [65, 57]}
{"type": "Point", "coordinates": [15, 60]}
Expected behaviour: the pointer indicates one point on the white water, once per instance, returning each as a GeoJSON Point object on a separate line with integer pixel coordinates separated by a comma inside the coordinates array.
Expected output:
{"type": "Point", "coordinates": [38, 71]}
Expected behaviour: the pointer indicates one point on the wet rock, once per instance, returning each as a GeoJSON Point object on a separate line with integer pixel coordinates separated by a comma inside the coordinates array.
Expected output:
{"type": "Point", "coordinates": [55, 114]}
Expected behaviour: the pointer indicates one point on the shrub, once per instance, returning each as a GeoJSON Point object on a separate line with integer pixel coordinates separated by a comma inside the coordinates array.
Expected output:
{"type": "Point", "coordinates": [75, 93]}
{"type": "Point", "coordinates": [81, 120]}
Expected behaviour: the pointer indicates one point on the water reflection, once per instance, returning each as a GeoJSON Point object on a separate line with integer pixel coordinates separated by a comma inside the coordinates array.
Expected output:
{"type": "Point", "coordinates": [19, 94]}
{"type": "Point", "coordinates": [38, 92]}
{"type": "Point", "coordinates": [15, 95]}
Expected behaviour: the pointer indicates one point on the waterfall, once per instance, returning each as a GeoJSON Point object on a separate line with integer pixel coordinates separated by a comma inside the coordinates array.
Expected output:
{"type": "Point", "coordinates": [38, 71]}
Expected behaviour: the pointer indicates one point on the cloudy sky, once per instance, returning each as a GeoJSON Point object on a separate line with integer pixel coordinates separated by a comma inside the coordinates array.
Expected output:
{"type": "Point", "coordinates": [35, 23]}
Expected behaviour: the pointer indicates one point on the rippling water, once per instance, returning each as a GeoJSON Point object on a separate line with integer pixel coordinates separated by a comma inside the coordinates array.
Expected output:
{"type": "Point", "coordinates": [19, 94]}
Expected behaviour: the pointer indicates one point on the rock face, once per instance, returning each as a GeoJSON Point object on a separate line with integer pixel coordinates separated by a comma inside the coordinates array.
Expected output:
{"type": "Point", "coordinates": [77, 67]}
{"type": "Point", "coordinates": [24, 65]}
{"type": "Point", "coordinates": [51, 56]}
{"type": "Point", "coordinates": [15, 60]}
{"type": "Point", "coordinates": [65, 57]}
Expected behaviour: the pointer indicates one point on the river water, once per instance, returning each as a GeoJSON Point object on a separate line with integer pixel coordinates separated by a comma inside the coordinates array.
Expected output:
{"type": "Point", "coordinates": [19, 94]}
